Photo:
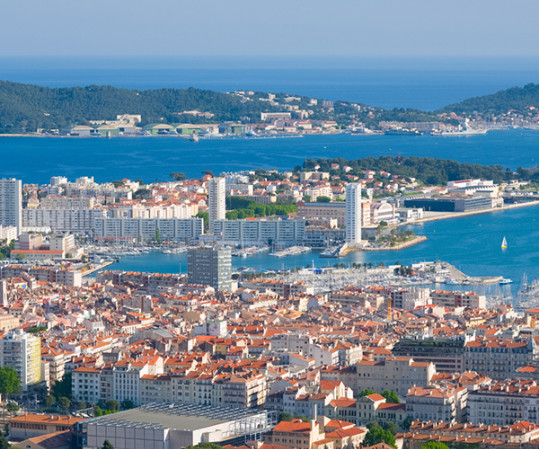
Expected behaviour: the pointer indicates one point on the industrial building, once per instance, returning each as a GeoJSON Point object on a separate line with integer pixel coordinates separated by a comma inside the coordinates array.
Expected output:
{"type": "Point", "coordinates": [170, 426]}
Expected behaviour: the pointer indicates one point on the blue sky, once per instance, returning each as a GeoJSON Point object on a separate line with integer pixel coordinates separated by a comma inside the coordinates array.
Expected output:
{"type": "Point", "coordinates": [277, 28]}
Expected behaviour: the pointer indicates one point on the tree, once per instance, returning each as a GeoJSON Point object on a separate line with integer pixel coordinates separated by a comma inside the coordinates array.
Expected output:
{"type": "Point", "coordinates": [407, 422]}
{"type": "Point", "coordinates": [63, 387]}
{"type": "Point", "coordinates": [377, 435]}
{"type": "Point", "coordinates": [127, 404]}
{"type": "Point", "coordinates": [9, 381]}
{"type": "Point", "coordinates": [107, 445]}
{"type": "Point", "coordinates": [4, 443]}
{"type": "Point", "coordinates": [323, 199]}
{"type": "Point", "coordinates": [391, 397]}
{"type": "Point", "coordinates": [50, 400]}
{"type": "Point", "coordinates": [65, 403]}
{"type": "Point", "coordinates": [205, 446]}
{"type": "Point", "coordinates": [366, 392]}
{"type": "Point", "coordinates": [435, 445]}
{"type": "Point", "coordinates": [391, 426]}
{"type": "Point", "coordinates": [178, 176]}
{"type": "Point", "coordinates": [98, 411]}
{"type": "Point", "coordinates": [158, 235]}
{"type": "Point", "coordinates": [12, 407]}
{"type": "Point", "coordinates": [283, 416]}
{"type": "Point", "coordinates": [206, 217]}
{"type": "Point", "coordinates": [207, 172]}
{"type": "Point", "coordinates": [112, 405]}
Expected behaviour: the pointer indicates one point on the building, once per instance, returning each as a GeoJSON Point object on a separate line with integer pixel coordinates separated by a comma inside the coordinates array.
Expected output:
{"type": "Point", "coordinates": [397, 374]}
{"type": "Point", "coordinates": [447, 354]}
{"type": "Point", "coordinates": [77, 221]}
{"type": "Point", "coordinates": [30, 425]}
{"type": "Point", "coordinates": [353, 213]}
{"type": "Point", "coordinates": [210, 266]}
{"type": "Point", "coordinates": [260, 232]}
{"type": "Point", "coordinates": [216, 200]}
{"type": "Point", "coordinates": [174, 426]}
{"type": "Point", "coordinates": [145, 229]}
{"type": "Point", "coordinates": [499, 358]}
{"type": "Point", "coordinates": [22, 352]}
{"type": "Point", "coordinates": [11, 203]}
{"type": "Point", "coordinates": [323, 214]}
{"type": "Point", "coordinates": [447, 404]}
{"type": "Point", "coordinates": [450, 204]}
{"type": "Point", "coordinates": [504, 403]}
{"type": "Point", "coordinates": [470, 300]}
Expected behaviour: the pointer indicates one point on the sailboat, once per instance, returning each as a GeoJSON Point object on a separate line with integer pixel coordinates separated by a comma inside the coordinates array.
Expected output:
{"type": "Point", "coordinates": [504, 243]}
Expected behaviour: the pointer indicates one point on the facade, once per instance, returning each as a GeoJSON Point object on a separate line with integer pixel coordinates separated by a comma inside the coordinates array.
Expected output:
{"type": "Point", "coordinates": [499, 359]}
{"type": "Point", "coordinates": [216, 200]}
{"type": "Point", "coordinates": [504, 403]}
{"type": "Point", "coordinates": [29, 426]}
{"type": "Point", "coordinates": [259, 232]}
{"type": "Point", "coordinates": [353, 213]}
{"type": "Point", "coordinates": [210, 266]}
{"type": "Point", "coordinates": [174, 426]}
{"type": "Point", "coordinates": [77, 221]}
{"type": "Point", "coordinates": [323, 214]}
{"type": "Point", "coordinates": [397, 374]}
{"type": "Point", "coordinates": [144, 229]}
{"type": "Point", "coordinates": [470, 300]}
{"type": "Point", "coordinates": [446, 404]}
{"type": "Point", "coordinates": [460, 204]}
{"type": "Point", "coordinates": [446, 354]}
{"type": "Point", "coordinates": [22, 352]}
{"type": "Point", "coordinates": [11, 203]}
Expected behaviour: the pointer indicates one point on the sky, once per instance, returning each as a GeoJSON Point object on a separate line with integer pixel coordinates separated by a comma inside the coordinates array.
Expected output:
{"type": "Point", "coordinates": [284, 28]}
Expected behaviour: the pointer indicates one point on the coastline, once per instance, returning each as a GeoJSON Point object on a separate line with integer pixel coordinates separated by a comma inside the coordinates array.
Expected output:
{"type": "Point", "coordinates": [447, 216]}
{"type": "Point", "coordinates": [418, 239]}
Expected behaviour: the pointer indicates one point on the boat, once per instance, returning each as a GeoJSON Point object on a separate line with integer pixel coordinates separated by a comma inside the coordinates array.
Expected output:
{"type": "Point", "coordinates": [504, 243]}
{"type": "Point", "coordinates": [465, 132]}
{"type": "Point", "coordinates": [505, 281]}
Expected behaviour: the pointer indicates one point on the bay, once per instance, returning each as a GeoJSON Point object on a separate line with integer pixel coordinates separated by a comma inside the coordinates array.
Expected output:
{"type": "Point", "coordinates": [36, 159]}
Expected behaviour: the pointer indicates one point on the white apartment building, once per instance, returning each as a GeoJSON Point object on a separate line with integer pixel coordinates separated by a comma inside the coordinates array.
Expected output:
{"type": "Point", "coordinates": [260, 232]}
{"type": "Point", "coordinates": [353, 213]}
{"type": "Point", "coordinates": [77, 221]}
{"type": "Point", "coordinates": [504, 403]}
{"type": "Point", "coordinates": [447, 404]}
{"type": "Point", "coordinates": [216, 200]}
{"type": "Point", "coordinates": [458, 299]}
{"type": "Point", "coordinates": [22, 352]}
{"type": "Point", "coordinates": [11, 203]}
{"type": "Point", "coordinates": [397, 374]}
{"type": "Point", "coordinates": [175, 229]}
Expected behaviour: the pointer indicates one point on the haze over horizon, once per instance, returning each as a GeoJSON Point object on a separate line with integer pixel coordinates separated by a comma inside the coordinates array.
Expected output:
{"type": "Point", "coordinates": [416, 28]}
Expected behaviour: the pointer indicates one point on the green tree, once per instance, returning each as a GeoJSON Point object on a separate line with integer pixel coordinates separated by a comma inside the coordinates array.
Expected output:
{"type": "Point", "coordinates": [407, 422]}
{"type": "Point", "coordinates": [65, 403]}
{"type": "Point", "coordinates": [435, 445]}
{"type": "Point", "coordinates": [283, 416]}
{"type": "Point", "coordinates": [12, 407]}
{"type": "Point", "coordinates": [323, 199]}
{"type": "Point", "coordinates": [206, 217]}
{"type": "Point", "coordinates": [50, 400]}
{"type": "Point", "coordinates": [127, 404]}
{"type": "Point", "coordinates": [158, 235]}
{"type": "Point", "coordinates": [98, 411]}
{"type": "Point", "coordinates": [4, 443]}
{"type": "Point", "coordinates": [377, 435]}
{"type": "Point", "coordinates": [9, 381]}
{"type": "Point", "coordinates": [178, 176]}
{"type": "Point", "coordinates": [391, 397]}
{"type": "Point", "coordinates": [207, 172]}
{"type": "Point", "coordinates": [107, 445]}
{"type": "Point", "coordinates": [205, 446]}
{"type": "Point", "coordinates": [112, 405]}
{"type": "Point", "coordinates": [366, 392]}
{"type": "Point", "coordinates": [63, 387]}
{"type": "Point", "coordinates": [391, 426]}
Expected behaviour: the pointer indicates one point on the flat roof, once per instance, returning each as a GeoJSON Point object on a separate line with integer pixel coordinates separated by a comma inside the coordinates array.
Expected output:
{"type": "Point", "coordinates": [174, 416]}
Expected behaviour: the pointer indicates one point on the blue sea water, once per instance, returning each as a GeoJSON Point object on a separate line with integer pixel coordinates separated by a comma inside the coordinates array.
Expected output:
{"type": "Point", "coordinates": [36, 159]}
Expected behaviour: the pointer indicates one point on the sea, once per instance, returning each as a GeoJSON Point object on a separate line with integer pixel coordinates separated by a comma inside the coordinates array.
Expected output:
{"type": "Point", "coordinates": [472, 244]}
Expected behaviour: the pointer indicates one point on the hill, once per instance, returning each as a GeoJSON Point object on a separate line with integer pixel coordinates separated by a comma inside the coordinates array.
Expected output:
{"type": "Point", "coordinates": [518, 99]}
